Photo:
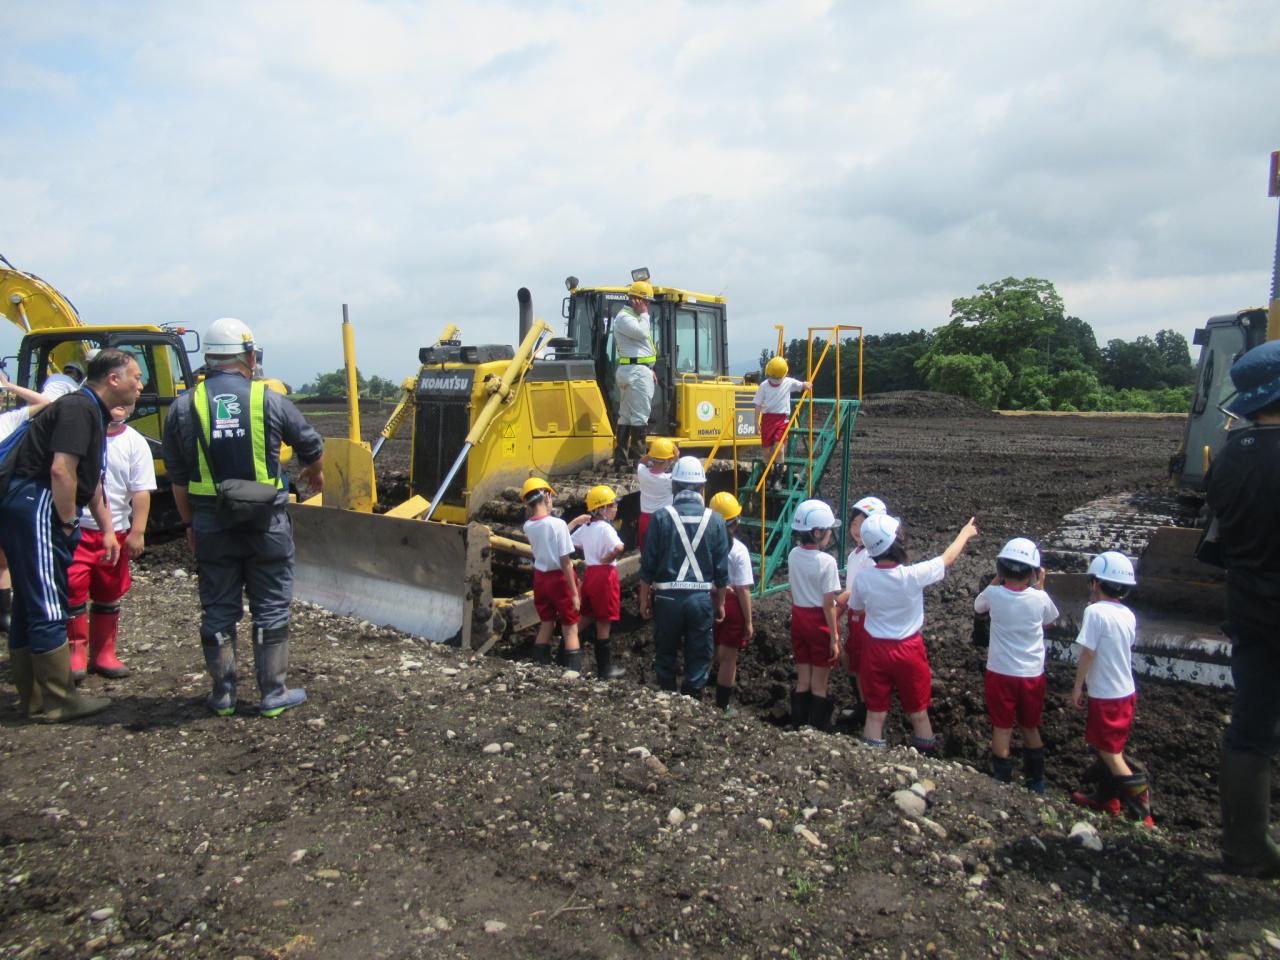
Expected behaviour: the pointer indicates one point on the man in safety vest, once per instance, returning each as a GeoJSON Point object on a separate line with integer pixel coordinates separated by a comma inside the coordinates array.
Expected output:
{"type": "Point", "coordinates": [230, 427]}
{"type": "Point", "coordinates": [684, 573]}
{"type": "Point", "coordinates": [633, 337]}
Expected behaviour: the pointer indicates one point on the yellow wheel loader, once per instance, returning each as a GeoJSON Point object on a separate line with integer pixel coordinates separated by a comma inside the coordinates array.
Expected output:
{"type": "Point", "coordinates": [483, 419]}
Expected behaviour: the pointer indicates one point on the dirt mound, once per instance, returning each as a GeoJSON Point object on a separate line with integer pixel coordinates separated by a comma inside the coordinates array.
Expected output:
{"type": "Point", "coordinates": [923, 403]}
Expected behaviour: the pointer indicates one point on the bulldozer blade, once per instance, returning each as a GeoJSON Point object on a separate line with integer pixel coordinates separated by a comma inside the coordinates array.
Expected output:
{"type": "Point", "coordinates": [405, 574]}
{"type": "Point", "coordinates": [348, 469]}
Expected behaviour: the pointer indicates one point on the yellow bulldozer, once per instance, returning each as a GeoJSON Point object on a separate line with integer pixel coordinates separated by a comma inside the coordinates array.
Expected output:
{"type": "Point", "coordinates": [483, 418]}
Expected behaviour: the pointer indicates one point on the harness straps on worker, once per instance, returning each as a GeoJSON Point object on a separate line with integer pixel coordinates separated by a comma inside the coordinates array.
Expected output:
{"type": "Point", "coordinates": [690, 557]}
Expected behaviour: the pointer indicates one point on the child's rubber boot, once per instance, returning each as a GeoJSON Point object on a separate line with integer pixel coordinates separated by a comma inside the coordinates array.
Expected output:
{"type": "Point", "coordinates": [6, 609]}
{"type": "Point", "coordinates": [542, 654]}
{"type": "Point", "coordinates": [1033, 769]}
{"type": "Point", "coordinates": [271, 660]}
{"type": "Point", "coordinates": [1135, 795]}
{"type": "Point", "coordinates": [220, 661]}
{"type": "Point", "coordinates": [573, 660]}
{"type": "Point", "coordinates": [820, 713]}
{"type": "Point", "coordinates": [724, 697]}
{"type": "Point", "coordinates": [926, 745]}
{"type": "Point", "coordinates": [1102, 796]}
{"type": "Point", "coordinates": [800, 708]}
{"type": "Point", "coordinates": [104, 628]}
{"type": "Point", "coordinates": [78, 640]}
{"type": "Point", "coordinates": [1244, 786]}
{"type": "Point", "coordinates": [1002, 769]}
{"type": "Point", "coordinates": [605, 669]}
{"type": "Point", "coordinates": [51, 676]}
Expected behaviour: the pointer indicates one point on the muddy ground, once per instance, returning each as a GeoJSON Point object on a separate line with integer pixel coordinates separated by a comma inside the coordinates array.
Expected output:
{"type": "Point", "coordinates": [425, 803]}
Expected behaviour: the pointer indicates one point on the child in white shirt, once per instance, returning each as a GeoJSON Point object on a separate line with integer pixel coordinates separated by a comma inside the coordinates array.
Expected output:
{"type": "Point", "coordinates": [555, 587]}
{"type": "Point", "coordinates": [773, 404]}
{"type": "Point", "coordinates": [892, 595]}
{"type": "Point", "coordinates": [1107, 634]}
{"type": "Point", "coordinates": [595, 535]}
{"type": "Point", "coordinates": [815, 638]}
{"type": "Point", "coordinates": [653, 474]}
{"type": "Point", "coordinates": [1015, 681]}
{"type": "Point", "coordinates": [733, 632]}
{"type": "Point", "coordinates": [857, 561]}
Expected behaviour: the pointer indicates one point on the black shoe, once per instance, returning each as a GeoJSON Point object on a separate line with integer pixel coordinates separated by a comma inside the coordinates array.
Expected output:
{"type": "Point", "coordinates": [693, 693]}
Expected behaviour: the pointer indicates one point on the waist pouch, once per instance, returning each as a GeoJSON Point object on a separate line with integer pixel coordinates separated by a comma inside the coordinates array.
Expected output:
{"type": "Point", "coordinates": [245, 505]}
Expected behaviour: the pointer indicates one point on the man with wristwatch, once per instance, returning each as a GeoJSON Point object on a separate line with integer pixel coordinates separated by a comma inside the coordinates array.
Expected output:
{"type": "Point", "coordinates": [56, 470]}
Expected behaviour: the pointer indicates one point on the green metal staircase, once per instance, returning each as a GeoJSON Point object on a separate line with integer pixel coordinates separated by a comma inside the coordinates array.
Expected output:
{"type": "Point", "coordinates": [820, 430]}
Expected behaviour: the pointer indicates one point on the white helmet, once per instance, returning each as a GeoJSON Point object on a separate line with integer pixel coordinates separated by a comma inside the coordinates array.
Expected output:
{"type": "Point", "coordinates": [869, 505]}
{"type": "Point", "coordinates": [228, 337]}
{"type": "Point", "coordinates": [1021, 550]}
{"type": "Point", "coordinates": [813, 515]}
{"type": "Point", "coordinates": [688, 470]}
{"type": "Point", "coordinates": [879, 531]}
{"type": "Point", "coordinates": [1113, 567]}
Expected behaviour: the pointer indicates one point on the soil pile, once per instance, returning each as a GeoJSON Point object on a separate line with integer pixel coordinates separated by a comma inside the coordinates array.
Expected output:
{"type": "Point", "coordinates": [921, 404]}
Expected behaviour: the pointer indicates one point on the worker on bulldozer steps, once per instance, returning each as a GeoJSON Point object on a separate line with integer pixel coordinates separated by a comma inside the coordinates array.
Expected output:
{"type": "Point", "coordinates": [222, 454]}
{"type": "Point", "coordinates": [684, 575]}
{"type": "Point", "coordinates": [633, 338]}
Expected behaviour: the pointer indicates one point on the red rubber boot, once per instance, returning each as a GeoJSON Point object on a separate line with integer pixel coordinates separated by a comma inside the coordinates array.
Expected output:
{"type": "Point", "coordinates": [78, 642]}
{"type": "Point", "coordinates": [1105, 794]}
{"type": "Point", "coordinates": [104, 625]}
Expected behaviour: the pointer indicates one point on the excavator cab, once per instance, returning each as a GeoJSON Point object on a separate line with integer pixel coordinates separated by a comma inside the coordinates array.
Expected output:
{"type": "Point", "coordinates": [695, 400]}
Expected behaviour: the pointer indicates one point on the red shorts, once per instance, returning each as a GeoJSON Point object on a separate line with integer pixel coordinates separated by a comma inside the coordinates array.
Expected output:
{"type": "Point", "coordinates": [601, 596]}
{"type": "Point", "coordinates": [811, 637]}
{"type": "Point", "coordinates": [1015, 699]}
{"type": "Point", "coordinates": [88, 578]}
{"type": "Point", "coordinates": [732, 631]}
{"type": "Point", "coordinates": [854, 645]}
{"type": "Point", "coordinates": [772, 426]}
{"type": "Point", "coordinates": [901, 665]}
{"type": "Point", "coordinates": [1107, 728]}
{"type": "Point", "coordinates": [643, 528]}
{"type": "Point", "coordinates": [551, 597]}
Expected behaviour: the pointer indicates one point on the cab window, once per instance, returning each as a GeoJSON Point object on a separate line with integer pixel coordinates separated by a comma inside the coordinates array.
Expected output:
{"type": "Point", "coordinates": [697, 343]}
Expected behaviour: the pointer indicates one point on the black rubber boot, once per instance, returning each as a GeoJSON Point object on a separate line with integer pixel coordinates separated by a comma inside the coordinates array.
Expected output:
{"type": "Point", "coordinates": [605, 669]}
{"type": "Point", "coordinates": [693, 693]}
{"type": "Point", "coordinates": [542, 654]}
{"type": "Point", "coordinates": [30, 699]}
{"type": "Point", "coordinates": [1002, 769]}
{"type": "Point", "coordinates": [1135, 796]}
{"type": "Point", "coordinates": [6, 608]}
{"type": "Point", "coordinates": [723, 696]}
{"type": "Point", "coordinates": [820, 713]}
{"type": "Point", "coordinates": [639, 442]}
{"type": "Point", "coordinates": [1033, 769]}
{"type": "Point", "coordinates": [573, 660]}
{"type": "Point", "coordinates": [800, 707]}
{"type": "Point", "coordinates": [52, 683]}
{"type": "Point", "coordinates": [1244, 786]}
{"type": "Point", "coordinates": [621, 446]}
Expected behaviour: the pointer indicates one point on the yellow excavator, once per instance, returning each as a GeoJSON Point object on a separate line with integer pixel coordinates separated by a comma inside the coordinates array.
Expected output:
{"type": "Point", "coordinates": [54, 336]}
{"type": "Point", "coordinates": [483, 419]}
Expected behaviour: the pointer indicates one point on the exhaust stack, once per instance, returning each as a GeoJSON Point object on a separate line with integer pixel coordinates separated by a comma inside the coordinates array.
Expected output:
{"type": "Point", "coordinates": [526, 312]}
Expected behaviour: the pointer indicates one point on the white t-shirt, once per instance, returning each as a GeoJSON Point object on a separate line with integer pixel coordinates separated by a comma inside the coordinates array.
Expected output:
{"type": "Point", "coordinates": [58, 385]}
{"type": "Point", "coordinates": [130, 469]}
{"type": "Point", "coordinates": [814, 573]}
{"type": "Point", "coordinates": [655, 489]}
{"type": "Point", "coordinates": [893, 597]}
{"type": "Point", "coordinates": [740, 572]}
{"type": "Point", "coordinates": [596, 540]}
{"type": "Point", "coordinates": [1018, 619]}
{"type": "Point", "coordinates": [11, 420]}
{"type": "Point", "coordinates": [1109, 630]}
{"type": "Point", "coordinates": [549, 537]}
{"type": "Point", "coordinates": [857, 561]}
{"type": "Point", "coordinates": [777, 399]}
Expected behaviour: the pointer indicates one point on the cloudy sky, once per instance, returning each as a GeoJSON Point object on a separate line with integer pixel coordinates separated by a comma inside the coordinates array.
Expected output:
{"type": "Point", "coordinates": [816, 162]}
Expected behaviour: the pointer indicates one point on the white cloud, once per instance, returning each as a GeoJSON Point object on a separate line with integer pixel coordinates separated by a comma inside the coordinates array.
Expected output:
{"type": "Point", "coordinates": [421, 161]}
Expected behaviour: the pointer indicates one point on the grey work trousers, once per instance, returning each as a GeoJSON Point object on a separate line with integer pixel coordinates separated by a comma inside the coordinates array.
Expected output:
{"type": "Point", "coordinates": [233, 563]}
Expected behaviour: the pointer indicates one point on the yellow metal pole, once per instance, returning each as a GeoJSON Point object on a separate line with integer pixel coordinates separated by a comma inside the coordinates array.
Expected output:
{"type": "Point", "coordinates": [781, 346]}
{"type": "Point", "coordinates": [353, 391]}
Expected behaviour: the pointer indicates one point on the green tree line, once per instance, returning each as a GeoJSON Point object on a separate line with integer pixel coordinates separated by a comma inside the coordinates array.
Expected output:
{"type": "Point", "coordinates": [1012, 346]}
{"type": "Point", "coordinates": [333, 386]}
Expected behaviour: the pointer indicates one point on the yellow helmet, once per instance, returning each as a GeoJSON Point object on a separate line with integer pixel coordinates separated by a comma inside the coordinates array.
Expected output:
{"type": "Point", "coordinates": [600, 496]}
{"type": "Point", "coordinates": [726, 504]}
{"type": "Point", "coordinates": [662, 448]}
{"type": "Point", "coordinates": [534, 484]}
{"type": "Point", "coordinates": [776, 368]}
{"type": "Point", "coordinates": [642, 289]}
